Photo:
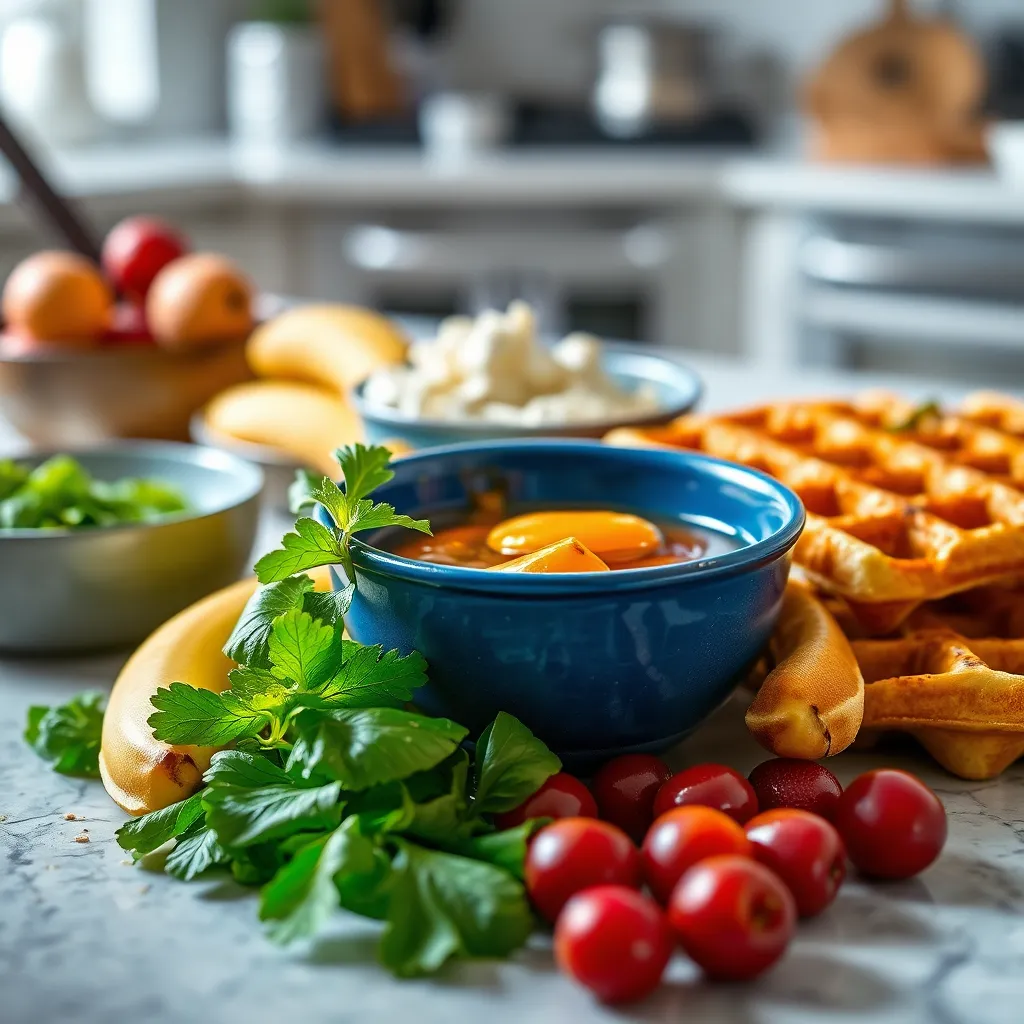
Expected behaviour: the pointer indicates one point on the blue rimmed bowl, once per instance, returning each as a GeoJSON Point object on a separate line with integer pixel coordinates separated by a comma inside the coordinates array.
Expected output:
{"type": "Point", "coordinates": [595, 663]}
{"type": "Point", "coordinates": [676, 387]}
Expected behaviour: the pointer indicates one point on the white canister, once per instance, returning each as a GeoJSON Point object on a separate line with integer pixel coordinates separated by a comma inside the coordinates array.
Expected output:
{"type": "Point", "coordinates": [275, 82]}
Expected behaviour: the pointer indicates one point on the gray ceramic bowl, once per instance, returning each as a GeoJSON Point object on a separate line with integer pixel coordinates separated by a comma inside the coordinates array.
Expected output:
{"type": "Point", "coordinates": [677, 386]}
{"type": "Point", "coordinates": [105, 587]}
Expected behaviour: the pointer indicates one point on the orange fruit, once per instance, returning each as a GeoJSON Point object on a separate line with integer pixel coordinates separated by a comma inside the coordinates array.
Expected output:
{"type": "Point", "coordinates": [197, 300]}
{"type": "Point", "coordinates": [57, 297]}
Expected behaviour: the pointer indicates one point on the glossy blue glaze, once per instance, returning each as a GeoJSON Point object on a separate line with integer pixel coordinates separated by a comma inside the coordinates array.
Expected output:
{"type": "Point", "coordinates": [595, 663]}
{"type": "Point", "coordinates": [677, 387]}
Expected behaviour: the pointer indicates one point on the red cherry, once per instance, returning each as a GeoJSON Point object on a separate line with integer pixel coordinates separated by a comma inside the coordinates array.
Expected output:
{"type": "Point", "coordinates": [684, 837]}
{"type": "Point", "coordinates": [711, 785]}
{"type": "Point", "coordinates": [574, 854]}
{"type": "Point", "coordinates": [732, 916]}
{"type": "Point", "coordinates": [614, 941]}
{"type": "Point", "coordinates": [788, 782]}
{"type": "Point", "coordinates": [625, 789]}
{"type": "Point", "coordinates": [805, 851]}
{"type": "Point", "coordinates": [562, 796]}
{"type": "Point", "coordinates": [893, 825]}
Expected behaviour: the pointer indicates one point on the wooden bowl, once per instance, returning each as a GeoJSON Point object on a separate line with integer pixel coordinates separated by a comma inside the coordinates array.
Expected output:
{"type": "Point", "coordinates": [62, 396]}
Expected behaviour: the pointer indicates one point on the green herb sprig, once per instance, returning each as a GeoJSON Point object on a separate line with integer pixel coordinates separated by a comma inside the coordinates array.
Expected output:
{"type": "Point", "coordinates": [350, 510]}
{"type": "Point", "coordinates": [335, 793]}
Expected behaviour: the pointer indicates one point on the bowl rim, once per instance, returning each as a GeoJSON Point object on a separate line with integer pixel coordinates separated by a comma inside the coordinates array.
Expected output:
{"type": "Point", "coordinates": [69, 353]}
{"type": "Point", "coordinates": [742, 560]}
{"type": "Point", "coordinates": [691, 392]}
{"type": "Point", "coordinates": [250, 476]}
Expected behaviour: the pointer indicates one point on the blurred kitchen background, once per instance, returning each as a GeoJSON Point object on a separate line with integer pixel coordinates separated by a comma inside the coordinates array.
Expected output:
{"type": "Point", "coordinates": [697, 174]}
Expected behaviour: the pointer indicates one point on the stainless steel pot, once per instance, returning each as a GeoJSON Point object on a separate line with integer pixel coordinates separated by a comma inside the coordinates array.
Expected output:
{"type": "Point", "coordinates": [651, 72]}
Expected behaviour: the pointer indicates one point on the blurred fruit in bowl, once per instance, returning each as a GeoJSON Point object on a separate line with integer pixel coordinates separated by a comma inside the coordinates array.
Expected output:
{"type": "Point", "coordinates": [57, 298]}
{"type": "Point", "coordinates": [199, 300]}
{"type": "Point", "coordinates": [128, 326]}
{"type": "Point", "coordinates": [299, 414]}
{"type": "Point", "coordinates": [136, 250]}
{"type": "Point", "coordinates": [77, 367]}
{"type": "Point", "coordinates": [303, 421]}
{"type": "Point", "coordinates": [332, 345]}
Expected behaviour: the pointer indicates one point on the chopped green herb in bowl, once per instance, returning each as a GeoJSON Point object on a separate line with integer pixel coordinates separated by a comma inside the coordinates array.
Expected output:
{"type": "Point", "coordinates": [60, 494]}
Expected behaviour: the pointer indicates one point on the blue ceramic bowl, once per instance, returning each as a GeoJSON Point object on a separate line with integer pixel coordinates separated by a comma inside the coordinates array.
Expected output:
{"type": "Point", "coordinates": [596, 664]}
{"type": "Point", "coordinates": [677, 387]}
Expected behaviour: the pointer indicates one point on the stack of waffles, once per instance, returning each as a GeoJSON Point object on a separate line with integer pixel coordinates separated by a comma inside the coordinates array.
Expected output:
{"type": "Point", "coordinates": [915, 539]}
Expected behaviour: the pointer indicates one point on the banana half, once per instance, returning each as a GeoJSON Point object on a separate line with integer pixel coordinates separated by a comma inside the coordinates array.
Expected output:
{"type": "Point", "coordinates": [141, 773]}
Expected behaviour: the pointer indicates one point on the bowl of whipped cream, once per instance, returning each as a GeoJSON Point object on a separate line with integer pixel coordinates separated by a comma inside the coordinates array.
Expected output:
{"type": "Point", "coordinates": [493, 376]}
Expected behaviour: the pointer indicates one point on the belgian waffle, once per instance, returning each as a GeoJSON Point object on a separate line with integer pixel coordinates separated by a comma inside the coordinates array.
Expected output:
{"type": "Point", "coordinates": [954, 679]}
{"type": "Point", "coordinates": [905, 505]}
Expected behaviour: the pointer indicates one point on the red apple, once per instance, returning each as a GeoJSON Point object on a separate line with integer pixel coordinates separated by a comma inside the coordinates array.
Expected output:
{"type": "Point", "coordinates": [136, 250]}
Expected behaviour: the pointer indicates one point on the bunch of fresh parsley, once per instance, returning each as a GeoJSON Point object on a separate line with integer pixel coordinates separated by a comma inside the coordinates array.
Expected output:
{"type": "Point", "coordinates": [334, 794]}
{"type": "Point", "coordinates": [60, 493]}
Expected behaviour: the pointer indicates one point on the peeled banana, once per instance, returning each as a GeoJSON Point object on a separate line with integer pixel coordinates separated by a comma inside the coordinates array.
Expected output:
{"type": "Point", "coordinates": [331, 345]}
{"type": "Point", "coordinates": [305, 421]}
{"type": "Point", "coordinates": [141, 773]}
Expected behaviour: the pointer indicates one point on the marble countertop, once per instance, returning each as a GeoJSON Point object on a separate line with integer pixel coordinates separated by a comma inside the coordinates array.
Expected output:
{"type": "Point", "coordinates": [86, 936]}
{"type": "Point", "coordinates": [314, 172]}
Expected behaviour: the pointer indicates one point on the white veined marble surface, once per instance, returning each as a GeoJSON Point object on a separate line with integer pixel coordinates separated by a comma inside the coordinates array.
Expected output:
{"type": "Point", "coordinates": [86, 937]}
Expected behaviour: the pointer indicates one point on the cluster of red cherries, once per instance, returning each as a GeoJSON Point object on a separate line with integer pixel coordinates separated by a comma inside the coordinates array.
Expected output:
{"type": "Point", "coordinates": [730, 862]}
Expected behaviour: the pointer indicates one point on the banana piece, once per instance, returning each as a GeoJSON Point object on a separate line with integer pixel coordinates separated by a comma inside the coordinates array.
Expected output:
{"type": "Point", "coordinates": [331, 345]}
{"type": "Point", "coordinates": [141, 773]}
{"type": "Point", "coordinates": [811, 704]}
{"type": "Point", "coordinates": [304, 421]}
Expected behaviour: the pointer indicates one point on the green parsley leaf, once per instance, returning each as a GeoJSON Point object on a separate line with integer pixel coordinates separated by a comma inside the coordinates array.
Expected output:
{"type": "Point", "coordinates": [240, 768]}
{"type": "Point", "coordinates": [251, 800]}
{"type": "Point", "coordinates": [300, 490]}
{"type": "Point", "coordinates": [371, 678]}
{"type": "Point", "coordinates": [444, 905]}
{"type": "Point", "coordinates": [257, 865]}
{"type": "Point", "coordinates": [369, 894]}
{"type": "Point", "coordinates": [330, 607]}
{"type": "Point", "coordinates": [384, 808]}
{"type": "Point", "coordinates": [311, 544]}
{"type": "Point", "coordinates": [314, 544]}
{"type": "Point", "coordinates": [369, 516]}
{"type": "Point", "coordinates": [505, 849]}
{"type": "Point", "coordinates": [364, 469]}
{"type": "Point", "coordinates": [511, 764]}
{"type": "Point", "coordinates": [150, 832]}
{"type": "Point", "coordinates": [363, 747]}
{"type": "Point", "coordinates": [320, 490]}
{"type": "Point", "coordinates": [195, 852]}
{"type": "Point", "coordinates": [441, 802]}
{"type": "Point", "coordinates": [68, 736]}
{"type": "Point", "coordinates": [249, 641]}
{"type": "Point", "coordinates": [302, 896]}
{"type": "Point", "coordinates": [243, 816]}
{"type": "Point", "coordinates": [186, 714]}
{"type": "Point", "coordinates": [303, 650]}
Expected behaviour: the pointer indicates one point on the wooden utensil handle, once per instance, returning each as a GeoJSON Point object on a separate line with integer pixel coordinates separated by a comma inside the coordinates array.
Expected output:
{"type": "Point", "coordinates": [58, 210]}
